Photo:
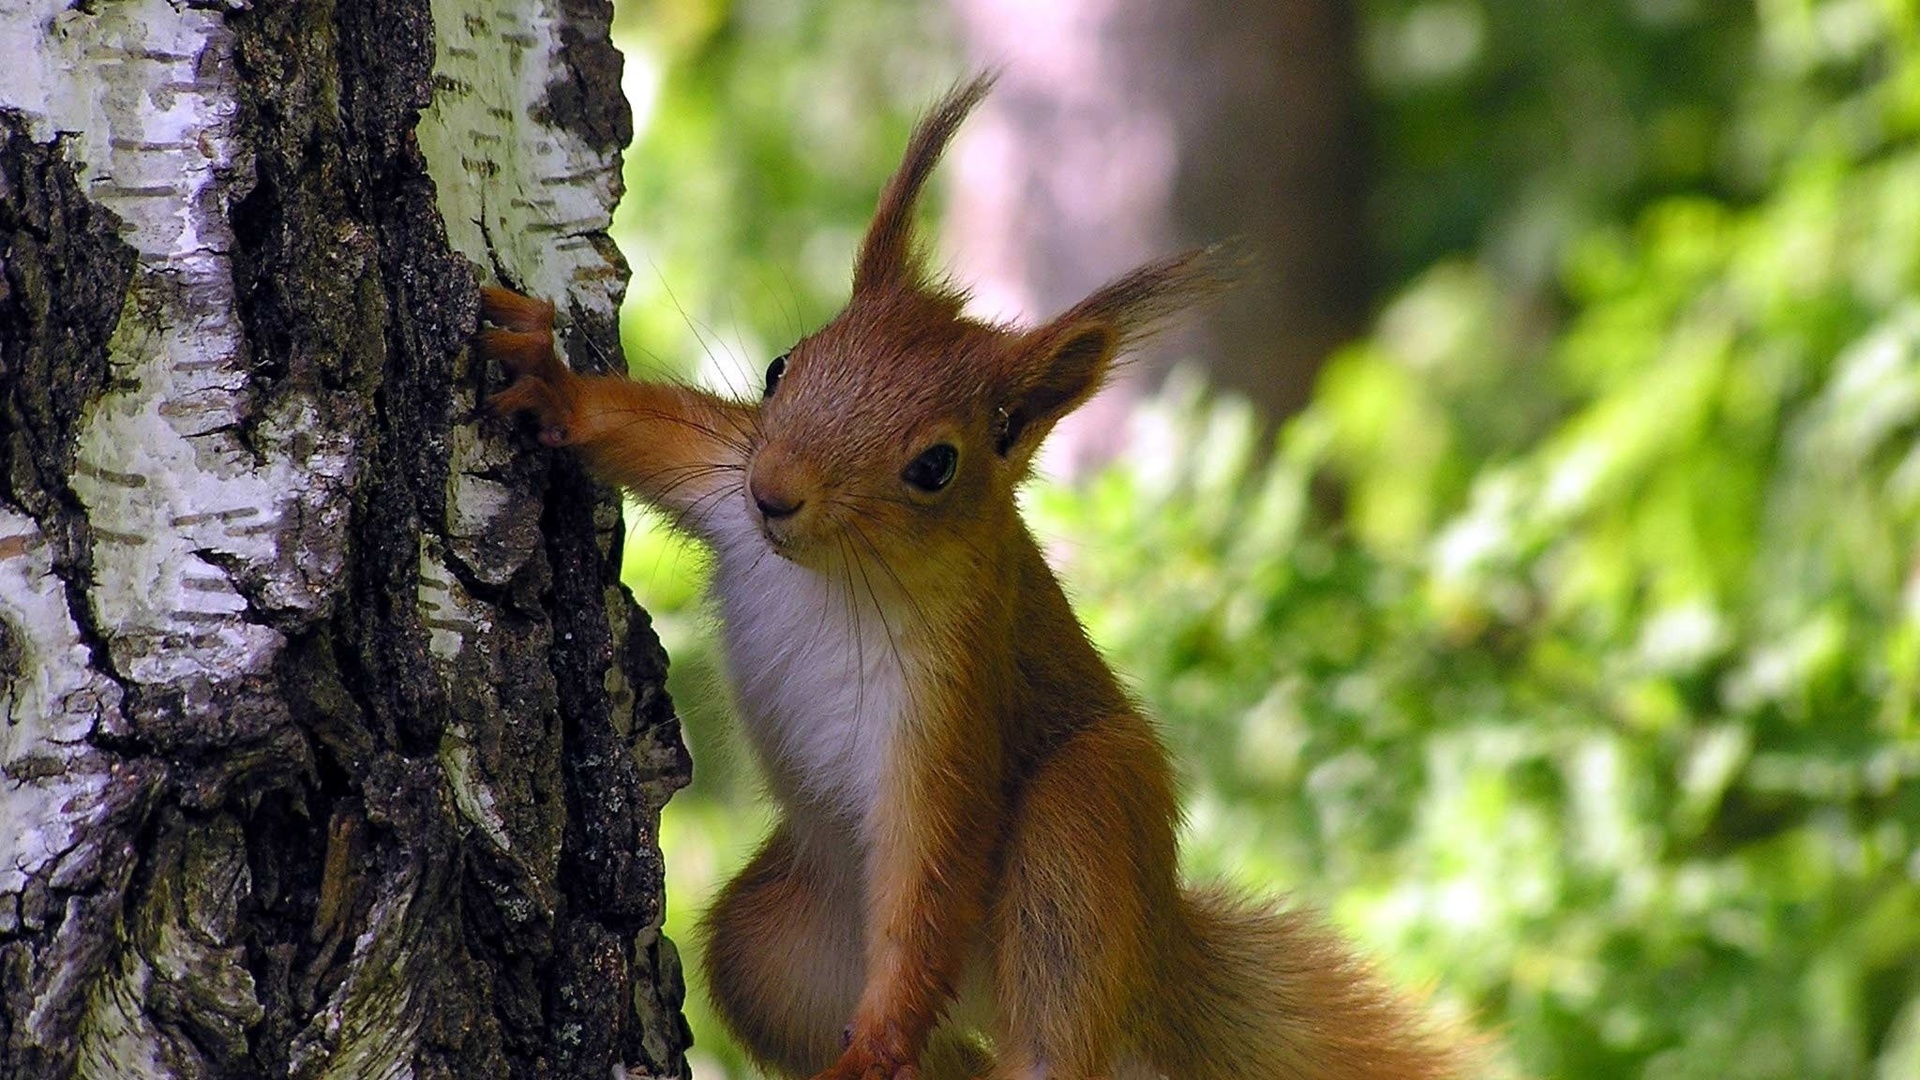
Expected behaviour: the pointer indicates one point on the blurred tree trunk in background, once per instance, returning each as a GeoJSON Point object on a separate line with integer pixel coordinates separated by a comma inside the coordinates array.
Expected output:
{"type": "Point", "coordinates": [1124, 129]}
{"type": "Point", "coordinates": [330, 745]}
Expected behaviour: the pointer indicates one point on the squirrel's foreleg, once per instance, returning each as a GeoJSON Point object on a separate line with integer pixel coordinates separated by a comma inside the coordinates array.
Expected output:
{"type": "Point", "coordinates": [678, 448]}
{"type": "Point", "coordinates": [927, 870]}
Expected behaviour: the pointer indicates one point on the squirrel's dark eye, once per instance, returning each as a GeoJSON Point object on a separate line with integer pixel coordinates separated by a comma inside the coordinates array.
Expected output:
{"type": "Point", "coordinates": [774, 371]}
{"type": "Point", "coordinates": [933, 469]}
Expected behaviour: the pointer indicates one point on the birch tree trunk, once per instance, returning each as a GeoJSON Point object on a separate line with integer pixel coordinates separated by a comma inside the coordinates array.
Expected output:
{"type": "Point", "coordinates": [331, 745]}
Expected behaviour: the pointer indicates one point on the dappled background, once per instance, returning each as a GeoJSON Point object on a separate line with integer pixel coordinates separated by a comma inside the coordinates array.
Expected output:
{"type": "Point", "coordinates": [1524, 564]}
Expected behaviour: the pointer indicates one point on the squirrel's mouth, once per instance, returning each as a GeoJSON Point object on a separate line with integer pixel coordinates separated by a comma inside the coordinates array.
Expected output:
{"type": "Point", "coordinates": [785, 538]}
{"type": "Point", "coordinates": [781, 545]}
{"type": "Point", "coordinates": [800, 543]}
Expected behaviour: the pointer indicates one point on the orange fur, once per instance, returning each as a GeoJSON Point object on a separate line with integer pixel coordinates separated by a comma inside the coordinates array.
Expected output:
{"type": "Point", "coordinates": [972, 810]}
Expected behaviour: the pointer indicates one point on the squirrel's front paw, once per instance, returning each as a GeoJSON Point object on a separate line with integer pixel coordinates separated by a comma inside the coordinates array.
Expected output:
{"type": "Point", "coordinates": [867, 1059]}
{"type": "Point", "coordinates": [842, 1070]}
{"type": "Point", "coordinates": [521, 339]}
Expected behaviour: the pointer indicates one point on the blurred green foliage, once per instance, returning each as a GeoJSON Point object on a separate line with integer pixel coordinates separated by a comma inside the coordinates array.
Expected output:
{"type": "Point", "coordinates": [765, 131]}
{"type": "Point", "coordinates": [1567, 647]}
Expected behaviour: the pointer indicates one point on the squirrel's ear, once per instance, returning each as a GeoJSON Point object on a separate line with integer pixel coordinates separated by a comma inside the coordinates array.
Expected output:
{"type": "Point", "coordinates": [1060, 366]}
{"type": "Point", "coordinates": [887, 255]}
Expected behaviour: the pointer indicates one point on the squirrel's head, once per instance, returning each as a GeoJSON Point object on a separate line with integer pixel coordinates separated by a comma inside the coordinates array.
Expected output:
{"type": "Point", "coordinates": [898, 432]}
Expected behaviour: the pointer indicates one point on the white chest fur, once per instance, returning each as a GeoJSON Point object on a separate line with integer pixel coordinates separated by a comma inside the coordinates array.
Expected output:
{"type": "Point", "coordinates": [818, 672]}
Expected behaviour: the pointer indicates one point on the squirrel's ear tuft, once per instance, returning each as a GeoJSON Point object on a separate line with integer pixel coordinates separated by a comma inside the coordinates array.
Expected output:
{"type": "Point", "coordinates": [887, 255]}
{"type": "Point", "coordinates": [1148, 298]}
{"type": "Point", "coordinates": [1057, 367]}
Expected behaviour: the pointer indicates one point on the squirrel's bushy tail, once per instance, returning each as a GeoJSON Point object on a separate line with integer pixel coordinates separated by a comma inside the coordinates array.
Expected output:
{"type": "Point", "coordinates": [1257, 992]}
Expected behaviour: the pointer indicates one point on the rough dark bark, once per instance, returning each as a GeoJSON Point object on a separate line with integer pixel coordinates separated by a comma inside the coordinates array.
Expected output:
{"type": "Point", "coordinates": [332, 744]}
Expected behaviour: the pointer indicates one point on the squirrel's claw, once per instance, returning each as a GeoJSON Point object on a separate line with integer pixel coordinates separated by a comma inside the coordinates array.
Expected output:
{"type": "Point", "coordinates": [535, 396]}
{"type": "Point", "coordinates": [522, 341]}
{"type": "Point", "coordinates": [504, 307]}
{"type": "Point", "coordinates": [856, 1064]}
{"type": "Point", "coordinates": [522, 352]}
{"type": "Point", "coordinates": [871, 1072]}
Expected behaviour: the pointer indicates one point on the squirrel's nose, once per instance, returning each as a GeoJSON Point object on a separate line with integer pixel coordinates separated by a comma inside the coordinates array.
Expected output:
{"type": "Point", "coordinates": [774, 504]}
{"type": "Point", "coordinates": [775, 510]}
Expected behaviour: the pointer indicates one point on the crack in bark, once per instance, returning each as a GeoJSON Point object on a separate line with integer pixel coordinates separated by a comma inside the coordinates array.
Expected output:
{"type": "Point", "coordinates": [65, 280]}
{"type": "Point", "coordinates": [66, 277]}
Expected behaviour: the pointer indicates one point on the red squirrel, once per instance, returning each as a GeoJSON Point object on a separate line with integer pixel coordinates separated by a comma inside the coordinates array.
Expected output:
{"type": "Point", "coordinates": [976, 830]}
